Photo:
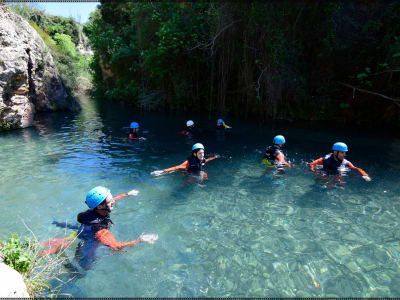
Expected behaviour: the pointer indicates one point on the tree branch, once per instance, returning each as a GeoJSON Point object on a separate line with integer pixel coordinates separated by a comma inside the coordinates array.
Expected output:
{"type": "Point", "coordinates": [387, 71]}
{"type": "Point", "coordinates": [395, 100]}
{"type": "Point", "coordinates": [258, 82]}
{"type": "Point", "coordinates": [212, 42]}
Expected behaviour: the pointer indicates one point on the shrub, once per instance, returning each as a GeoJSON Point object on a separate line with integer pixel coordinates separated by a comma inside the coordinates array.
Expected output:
{"type": "Point", "coordinates": [23, 255]}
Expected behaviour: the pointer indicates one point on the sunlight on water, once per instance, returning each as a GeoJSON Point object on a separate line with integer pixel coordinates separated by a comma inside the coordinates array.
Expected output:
{"type": "Point", "coordinates": [242, 233]}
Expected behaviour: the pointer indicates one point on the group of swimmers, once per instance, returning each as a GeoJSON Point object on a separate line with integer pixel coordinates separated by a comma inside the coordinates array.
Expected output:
{"type": "Point", "coordinates": [96, 221]}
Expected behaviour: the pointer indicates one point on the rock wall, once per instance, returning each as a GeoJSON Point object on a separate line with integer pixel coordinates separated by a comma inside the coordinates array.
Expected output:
{"type": "Point", "coordinates": [83, 46]}
{"type": "Point", "coordinates": [28, 79]}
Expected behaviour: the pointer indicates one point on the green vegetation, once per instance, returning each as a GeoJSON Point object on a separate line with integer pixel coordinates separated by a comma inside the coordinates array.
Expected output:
{"type": "Point", "coordinates": [322, 60]}
{"type": "Point", "coordinates": [23, 255]}
{"type": "Point", "coordinates": [61, 35]}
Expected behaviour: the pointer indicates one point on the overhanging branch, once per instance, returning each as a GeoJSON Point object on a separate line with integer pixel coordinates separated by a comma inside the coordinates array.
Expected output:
{"type": "Point", "coordinates": [395, 100]}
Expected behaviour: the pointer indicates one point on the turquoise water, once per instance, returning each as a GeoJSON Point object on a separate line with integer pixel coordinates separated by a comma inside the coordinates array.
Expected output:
{"type": "Point", "coordinates": [242, 233]}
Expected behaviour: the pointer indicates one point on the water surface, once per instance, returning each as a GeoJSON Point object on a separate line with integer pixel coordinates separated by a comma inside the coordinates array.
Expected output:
{"type": "Point", "coordinates": [240, 234]}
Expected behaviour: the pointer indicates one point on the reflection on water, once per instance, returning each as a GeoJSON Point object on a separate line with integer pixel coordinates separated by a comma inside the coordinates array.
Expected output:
{"type": "Point", "coordinates": [247, 231]}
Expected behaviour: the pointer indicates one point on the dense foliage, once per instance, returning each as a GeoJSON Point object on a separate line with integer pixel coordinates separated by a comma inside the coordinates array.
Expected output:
{"type": "Point", "coordinates": [23, 255]}
{"type": "Point", "coordinates": [61, 35]}
{"type": "Point", "coordinates": [291, 60]}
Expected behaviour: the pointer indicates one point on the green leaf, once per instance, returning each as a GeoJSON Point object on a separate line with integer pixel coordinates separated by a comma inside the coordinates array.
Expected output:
{"type": "Point", "coordinates": [361, 75]}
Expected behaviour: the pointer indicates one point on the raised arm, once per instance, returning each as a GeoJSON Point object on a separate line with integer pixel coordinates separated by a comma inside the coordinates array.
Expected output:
{"type": "Point", "coordinates": [106, 238]}
{"type": "Point", "coordinates": [226, 125]}
{"type": "Point", "coordinates": [183, 165]}
{"type": "Point", "coordinates": [318, 161]}
{"type": "Point", "coordinates": [123, 195]}
{"type": "Point", "coordinates": [212, 158]}
{"type": "Point", "coordinates": [120, 196]}
{"type": "Point", "coordinates": [281, 159]}
{"type": "Point", "coordinates": [361, 171]}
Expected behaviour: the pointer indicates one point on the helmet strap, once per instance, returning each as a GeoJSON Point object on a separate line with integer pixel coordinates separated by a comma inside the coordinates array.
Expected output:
{"type": "Point", "coordinates": [104, 203]}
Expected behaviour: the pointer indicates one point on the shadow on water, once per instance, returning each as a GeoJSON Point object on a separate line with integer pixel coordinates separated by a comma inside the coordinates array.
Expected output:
{"type": "Point", "coordinates": [320, 197]}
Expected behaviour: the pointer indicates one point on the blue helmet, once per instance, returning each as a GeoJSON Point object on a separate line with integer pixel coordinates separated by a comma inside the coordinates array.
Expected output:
{"type": "Point", "coordinates": [220, 121]}
{"type": "Point", "coordinates": [96, 195]}
{"type": "Point", "coordinates": [279, 139]}
{"type": "Point", "coordinates": [134, 125]}
{"type": "Point", "coordinates": [340, 147]}
{"type": "Point", "coordinates": [197, 146]}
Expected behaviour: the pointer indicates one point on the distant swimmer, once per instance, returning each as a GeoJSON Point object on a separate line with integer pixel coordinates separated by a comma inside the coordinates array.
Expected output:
{"type": "Point", "coordinates": [193, 166]}
{"type": "Point", "coordinates": [134, 132]}
{"type": "Point", "coordinates": [335, 163]}
{"type": "Point", "coordinates": [221, 126]}
{"type": "Point", "coordinates": [273, 154]}
{"type": "Point", "coordinates": [189, 128]}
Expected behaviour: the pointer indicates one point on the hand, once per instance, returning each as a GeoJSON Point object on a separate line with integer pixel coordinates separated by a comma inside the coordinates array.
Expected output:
{"type": "Point", "coordinates": [133, 193]}
{"type": "Point", "coordinates": [142, 138]}
{"type": "Point", "coordinates": [148, 238]}
{"type": "Point", "coordinates": [157, 173]}
{"type": "Point", "coordinates": [217, 156]}
{"type": "Point", "coordinates": [366, 178]}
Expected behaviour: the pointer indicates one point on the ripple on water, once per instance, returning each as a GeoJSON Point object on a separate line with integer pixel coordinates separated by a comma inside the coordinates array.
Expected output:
{"type": "Point", "coordinates": [241, 234]}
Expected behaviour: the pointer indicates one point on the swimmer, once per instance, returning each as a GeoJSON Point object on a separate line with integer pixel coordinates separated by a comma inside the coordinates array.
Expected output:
{"type": "Point", "coordinates": [221, 126]}
{"type": "Point", "coordinates": [96, 223]}
{"type": "Point", "coordinates": [273, 154]}
{"type": "Point", "coordinates": [134, 132]}
{"type": "Point", "coordinates": [193, 166]}
{"type": "Point", "coordinates": [189, 128]}
{"type": "Point", "coordinates": [336, 163]}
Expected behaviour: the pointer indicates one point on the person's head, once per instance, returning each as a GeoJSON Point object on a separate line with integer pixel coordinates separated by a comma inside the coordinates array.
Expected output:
{"type": "Point", "coordinates": [190, 124]}
{"type": "Point", "coordinates": [279, 141]}
{"type": "Point", "coordinates": [134, 126]}
{"type": "Point", "coordinates": [339, 150]}
{"type": "Point", "coordinates": [198, 151]}
{"type": "Point", "coordinates": [220, 122]}
{"type": "Point", "coordinates": [100, 200]}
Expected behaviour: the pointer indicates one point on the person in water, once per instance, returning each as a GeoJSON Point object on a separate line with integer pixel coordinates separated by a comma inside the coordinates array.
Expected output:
{"type": "Point", "coordinates": [189, 128]}
{"type": "Point", "coordinates": [193, 166]}
{"type": "Point", "coordinates": [335, 163]}
{"type": "Point", "coordinates": [134, 132]}
{"type": "Point", "coordinates": [221, 126]}
{"type": "Point", "coordinates": [273, 154]}
{"type": "Point", "coordinates": [96, 223]}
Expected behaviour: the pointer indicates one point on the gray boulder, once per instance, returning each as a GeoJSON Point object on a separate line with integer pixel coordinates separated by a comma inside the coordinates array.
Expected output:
{"type": "Point", "coordinates": [28, 79]}
{"type": "Point", "coordinates": [12, 284]}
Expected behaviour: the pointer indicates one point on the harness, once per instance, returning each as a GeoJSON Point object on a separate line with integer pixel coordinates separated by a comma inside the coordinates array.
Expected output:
{"type": "Point", "coordinates": [94, 221]}
{"type": "Point", "coordinates": [272, 153]}
{"type": "Point", "coordinates": [195, 165]}
{"type": "Point", "coordinates": [330, 164]}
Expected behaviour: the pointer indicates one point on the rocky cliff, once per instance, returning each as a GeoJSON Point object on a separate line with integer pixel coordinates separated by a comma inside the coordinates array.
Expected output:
{"type": "Point", "coordinates": [28, 79]}
{"type": "Point", "coordinates": [83, 45]}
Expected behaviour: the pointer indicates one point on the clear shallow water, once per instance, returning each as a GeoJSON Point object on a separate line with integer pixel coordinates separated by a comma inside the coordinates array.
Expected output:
{"type": "Point", "coordinates": [240, 234]}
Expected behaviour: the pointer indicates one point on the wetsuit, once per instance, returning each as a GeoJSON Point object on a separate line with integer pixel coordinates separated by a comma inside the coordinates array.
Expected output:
{"type": "Point", "coordinates": [133, 135]}
{"type": "Point", "coordinates": [275, 156]}
{"type": "Point", "coordinates": [94, 225]}
{"type": "Point", "coordinates": [99, 226]}
{"type": "Point", "coordinates": [187, 131]}
{"type": "Point", "coordinates": [220, 128]}
{"type": "Point", "coordinates": [193, 166]}
{"type": "Point", "coordinates": [332, 166]}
